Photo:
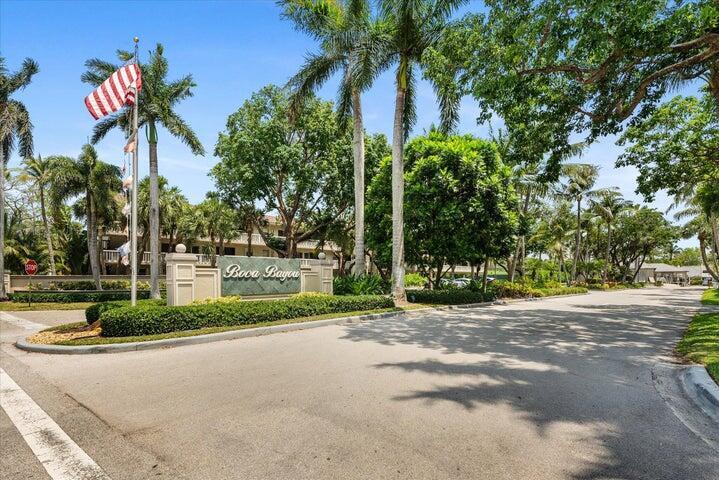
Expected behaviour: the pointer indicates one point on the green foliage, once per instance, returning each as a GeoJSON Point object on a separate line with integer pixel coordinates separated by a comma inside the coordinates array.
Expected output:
{"type": "Point", "coordinates": [459, 204]}
{"type": "Point", "coordinates": [675, 147]}
{"type": "Point", "coordinates": [453, 296]}
{"type": "Point", "coordinates": [227, 299]}
{"type": "Point", "coordinates": [576, 65]}
{"type": "Point", "coordinates": [69, 296]}
{"type": "Point", "coordinates": [414, 280]}
{"type": "Point", "coordinates": [360, 285]}
{"type": "Point", "coordinates": [93, 312]}
{"type": "Point", "coordinates": [311, 156]}
{"type": "Point", "coordinates": [90, 285]}
{"type": "Point", "coordinates": [148, 320]}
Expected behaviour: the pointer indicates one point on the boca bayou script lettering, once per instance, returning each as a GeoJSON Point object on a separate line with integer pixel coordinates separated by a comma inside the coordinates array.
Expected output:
{"type": "Point", "coordinates": [271, 272]}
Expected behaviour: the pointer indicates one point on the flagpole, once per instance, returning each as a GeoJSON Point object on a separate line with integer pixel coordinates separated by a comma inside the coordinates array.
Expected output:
{"type": "Point", "coordinates": [133, 214]}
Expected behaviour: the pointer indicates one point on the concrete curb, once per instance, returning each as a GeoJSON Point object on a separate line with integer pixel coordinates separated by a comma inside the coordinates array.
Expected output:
{"type": "Point", "coordinates": [702, 389]}
{"type": "Point", "coordinates": [23, 344]}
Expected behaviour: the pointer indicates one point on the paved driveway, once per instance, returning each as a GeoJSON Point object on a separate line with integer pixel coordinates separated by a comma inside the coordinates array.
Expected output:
{"type": "Point", "coordinates": [565, 388]}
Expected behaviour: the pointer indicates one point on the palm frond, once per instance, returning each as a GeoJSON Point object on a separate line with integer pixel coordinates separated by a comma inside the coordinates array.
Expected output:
{"type": "Point", "coordinates": [180, 129]}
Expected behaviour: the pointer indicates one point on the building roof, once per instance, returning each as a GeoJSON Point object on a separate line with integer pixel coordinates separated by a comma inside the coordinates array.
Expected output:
{"type": "Point", "coordinates": [664, 268]}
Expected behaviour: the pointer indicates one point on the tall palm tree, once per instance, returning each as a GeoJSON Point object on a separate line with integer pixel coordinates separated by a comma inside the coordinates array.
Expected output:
{"type": "Point", "coordinates": [157, 101]}
{"type": "Point", "coordinates": [39, 172]}
{"type": "Point", "coordinates": [608, 203]}
{"type": "Point", "coordinates": [95, 183]}
{"type": "Point", "coordinates": [344, 30]}
{"type": "Point", "coordinates": [580, 180]}
{"type": "Point", "coordinates": [412, 27]}
{"type": "Point", "coordinates": [15, 127]}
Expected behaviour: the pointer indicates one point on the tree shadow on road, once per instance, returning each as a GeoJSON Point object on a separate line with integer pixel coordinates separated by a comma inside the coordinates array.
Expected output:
{"type": "Point", "coordinates": [585, 363]}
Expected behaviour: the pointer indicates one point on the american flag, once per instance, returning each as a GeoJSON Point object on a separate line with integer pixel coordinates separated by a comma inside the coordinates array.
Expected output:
{"type": "Point", "coordinates": [115, 92]}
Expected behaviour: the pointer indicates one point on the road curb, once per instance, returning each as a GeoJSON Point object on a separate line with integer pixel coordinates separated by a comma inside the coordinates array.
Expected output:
{"type": "Point", "coordinates": [702, 389]}
{"type": "Point", "coordinates": [23, 344]}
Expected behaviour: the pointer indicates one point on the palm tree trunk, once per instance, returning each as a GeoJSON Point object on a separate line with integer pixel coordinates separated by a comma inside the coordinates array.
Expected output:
{"type": "Point", "coordinates": [154, 219]}
{"type": "Point", "coordinates": [92, 241]}
{"type": "Point", "coordinates": [606, 257]}
{"type": "Point", "coordinates": [398, 291]}
{"type": "Point", "coordinates": [358, 154]}
{"type": "Point", "coordinates": [249, 242]}
{"type": "Point", "coordinates": [48, 235]}
{"type": "Point", "coordinates": [3, 293]}
{"type": "Point", "coordinates": [578, 239]}
{"type": "Point", "coordinates": [715, 232]}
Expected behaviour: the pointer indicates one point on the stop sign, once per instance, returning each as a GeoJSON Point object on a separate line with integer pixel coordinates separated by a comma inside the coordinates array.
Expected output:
{"type": "Point", "coordinates": [31, 267]}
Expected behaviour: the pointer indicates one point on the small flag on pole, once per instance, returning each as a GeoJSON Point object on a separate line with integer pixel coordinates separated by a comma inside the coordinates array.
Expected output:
{"type": "Point", "coordinates": [130, 146]}
{"type": "Point", "coordinates": [115, 92]}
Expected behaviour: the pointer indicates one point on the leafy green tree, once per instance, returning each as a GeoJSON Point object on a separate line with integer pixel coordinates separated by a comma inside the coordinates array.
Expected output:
{"type": "Point", "coordinates": [461, 206]}
{"type": "Point", "coordinates": [157, 103]}
{"type": "Point", "coordinates": [295, 168]}
{"type": "Point", "coordinates": [95, 183]}
{"type": "Point", "coordinates": [639, 234]}
{"type": "Point", "coordinates": [674, 148]}
{"type": "Point", "coordinates": [587, 65]}
{"type": "Point", "coordinates": [15, 127]}
{"type": "Point", "coordinates": [341, 28]}
{"type": "Point", "coordinates": [39, 172]}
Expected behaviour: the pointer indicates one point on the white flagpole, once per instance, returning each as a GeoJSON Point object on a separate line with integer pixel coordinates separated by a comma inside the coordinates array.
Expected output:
{"type": "Point", "coordinates": [133, 214]}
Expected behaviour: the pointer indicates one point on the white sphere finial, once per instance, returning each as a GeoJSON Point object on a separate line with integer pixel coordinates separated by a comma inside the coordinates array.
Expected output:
{"type": "Point", "coordinates": [321, 256]}
{"type": "Point", "coordinates": [180, 248]}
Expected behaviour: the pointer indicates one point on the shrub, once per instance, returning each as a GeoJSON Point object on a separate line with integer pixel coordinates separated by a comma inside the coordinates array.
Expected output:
{"type": "Point", "coordinates": [93, 312]}
{"type": "Point", "coordinates": [414, 280]}
{"type": "Point", "coordinates": [512, 290]}
{"type": "Point", "coordinates": [550, 292]}
{"type": "Point", "coordinates": [360, 285]}
{"type": "Point", "coordinates": [310, 295]}
{"type": "Point", "coordinates": [70, 296]}
{"type": "Point", "coordinates": [227, 299]}
{"type": "Point", "coordinates": [695, 281]}
{"type": "Point", "coordinates": [451, 296]}
{"type": "Point", "coordinates": [151, 319]}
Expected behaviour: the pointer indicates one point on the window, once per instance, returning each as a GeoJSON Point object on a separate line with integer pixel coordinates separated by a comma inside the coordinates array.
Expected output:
{"type": "Point", "coordinates": [195, 249]}
{"type": "Point", "coordinates": [280, 233]}
{"type": "Point", "coordinates": [229, 250]}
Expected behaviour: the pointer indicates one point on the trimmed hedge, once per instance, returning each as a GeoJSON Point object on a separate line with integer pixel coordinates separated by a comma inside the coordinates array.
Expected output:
{"type": "Point", "coordinates": [460, 296]}
{"type": "Point", "coordinates": [72, 296]}
{"type": "Point", "coordinates": [93, 312]}
{"type": "Point", "coordinates": [149, 320]}
{"type": "Point", "coordinates": [450, 296]}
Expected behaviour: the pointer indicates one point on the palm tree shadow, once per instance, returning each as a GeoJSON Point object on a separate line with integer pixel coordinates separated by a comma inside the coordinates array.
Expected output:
{"type": "Point", "coordinates": [579, 364]}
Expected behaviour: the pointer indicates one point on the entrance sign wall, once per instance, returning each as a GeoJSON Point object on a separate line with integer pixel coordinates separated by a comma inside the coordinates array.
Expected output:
{"type": "Point", "coordinates": [245, 276]}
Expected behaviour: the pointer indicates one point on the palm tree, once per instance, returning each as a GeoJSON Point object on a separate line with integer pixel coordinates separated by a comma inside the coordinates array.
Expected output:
{"type": "Point", "coordinates": [15, 126]}
{"type": "Point", "coordinates": [96, 184]}
{"type": "Point", "coordinates": [340, 28]}
{"type": "Point", "coordinates": [411, 26]}
{"type": "Point", "coordinates": [608, 203]}
{"type": "Point", "coordinates": [157, 101]}
{"type": "Point", "coordinates": [39, 172]}
{"type": "Point", "coordinates": [580, 180]}
{"type": "Point", "coordinates": [219, 222]}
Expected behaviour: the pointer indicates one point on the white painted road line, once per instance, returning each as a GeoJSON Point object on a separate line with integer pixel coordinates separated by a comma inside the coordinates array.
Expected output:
{"type": "Point", "coordinates": [21, 322]}
{"type": "Point", "coordinates": [62, 458]}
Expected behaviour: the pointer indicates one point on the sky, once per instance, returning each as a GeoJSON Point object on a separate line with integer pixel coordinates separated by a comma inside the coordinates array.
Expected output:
{"type": "Point", "coordinates": [232, 49]}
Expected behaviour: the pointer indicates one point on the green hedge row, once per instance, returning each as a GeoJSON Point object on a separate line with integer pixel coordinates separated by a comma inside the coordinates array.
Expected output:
{"type": "Point", "coordinates": [453, 296]}
{"type": "Point", "coordinates": [148, 319]}
{"type": "Point", "coordinates": [551, 292]}
{"type": "Point", "coordinates": [93, 312]}
{"type": "Point", "coordinates": [69, 296]}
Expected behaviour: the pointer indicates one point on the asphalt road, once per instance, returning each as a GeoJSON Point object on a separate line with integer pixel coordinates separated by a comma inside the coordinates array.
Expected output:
{"type": "Point", "coordinates": [564, 388]}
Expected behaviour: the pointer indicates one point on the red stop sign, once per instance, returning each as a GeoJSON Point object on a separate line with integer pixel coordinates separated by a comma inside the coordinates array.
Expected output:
{"type": "Point", "coordinates": [31, 267]}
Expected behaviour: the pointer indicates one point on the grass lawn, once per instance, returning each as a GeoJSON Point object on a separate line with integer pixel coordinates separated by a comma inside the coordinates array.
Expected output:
{"type": "Point", "coordinates": [711, 296]}
{"type": "Point", "coordinates": [701, 342]}
{"type": "Point", "coordinates": [24, 307]}
{"type": "Point", "coordinates": [93, 338]}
